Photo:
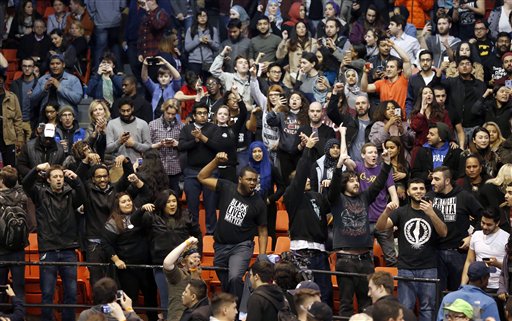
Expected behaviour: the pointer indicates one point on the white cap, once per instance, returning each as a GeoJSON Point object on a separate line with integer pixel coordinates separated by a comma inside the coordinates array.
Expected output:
{"type": "Point", "coordinates": [49, 131]}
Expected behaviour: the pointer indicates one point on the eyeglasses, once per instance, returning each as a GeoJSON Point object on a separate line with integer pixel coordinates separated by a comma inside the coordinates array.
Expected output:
{"type": "Point", "coordinates": [276, 72]}
{"type": "Point", "coordinates": [455, 316]}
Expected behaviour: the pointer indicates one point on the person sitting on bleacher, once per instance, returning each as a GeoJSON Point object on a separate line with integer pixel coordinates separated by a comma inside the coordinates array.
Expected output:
{"type": "Point", "coordinates": [113, 304]}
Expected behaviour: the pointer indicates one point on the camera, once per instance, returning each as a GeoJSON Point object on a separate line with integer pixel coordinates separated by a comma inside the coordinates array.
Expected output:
{"type": "Point", "coordinates": [153, 60]}
{"type": "Point", "coordinates": [106, 309]}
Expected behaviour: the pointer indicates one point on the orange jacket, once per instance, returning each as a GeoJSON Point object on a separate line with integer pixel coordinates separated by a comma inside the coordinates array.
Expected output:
{"type": "Point", "coordinates": [418, 11]}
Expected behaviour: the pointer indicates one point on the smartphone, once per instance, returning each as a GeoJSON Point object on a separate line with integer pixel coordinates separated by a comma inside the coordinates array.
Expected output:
{"type": "Point", "coordinates": [139, 161]}
{"type": "Point", "coordinates": [152, 61]}
{"type": "Point", "coordinates": [508, 83]}
{"type": "Point", "coordinates": [41, 126]}
{"type": "Point", "coordinates": [106, 309]}
{"type": "Point", "coordinates": [119, 295]}
{"type": "Point", "coordinates": [486, 259]}
{"type": "Point", "coordinates": [426, 198]}
{"type": "Point", "coordinates": [3, 288]}
{"type": "Point", "coordinates": [446, 58]}
{"type": "Point", "coordinates": [380, 68]}
{"type": "Point", "coordinates": [398, 112]}
{"type": "Point", "coordinates": [126, 134]}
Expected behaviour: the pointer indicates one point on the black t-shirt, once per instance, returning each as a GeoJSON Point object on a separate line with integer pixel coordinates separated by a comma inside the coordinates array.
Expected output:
{"type": "Point", "coordinates": [240, 215]}
{"type": "Point", "coordinates": [417, 239]}
{"type": "Point", "coordinates": [457, 207]}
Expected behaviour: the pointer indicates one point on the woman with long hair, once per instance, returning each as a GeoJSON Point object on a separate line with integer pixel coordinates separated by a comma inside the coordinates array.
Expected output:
{"type": "Point", "coordinates": [230, 119]}
{"type": "Point", "coordinates": [267, 103]}
{"type": "Point", "coordinates": [466, 49]}
{"type": "Point", "coordinates": [169, 226]}
{"type": "Point", "coordinates": [495, 136]}
{"type": "Point", "coordinates": [49, 115]}
{"type": "Point", "coordinates": [370, 40]}
{"type": "Point", "coordinates": [99, 115]}
{"type": "Point", "coordinates": [492, 193]}
{"type": "Point", "coordinates": [201, 43]}
{"type": "Point", "coordinates": [288, 118]}
{"type": "Point", "coordinates": [292, 47]}
{"type": "Point", "coordinates": [151, 171]}
{"type": "Point", "coordinates": [427, 111]}
{"type": "Point", "coordinates": [79, 42]}
{"type": "Point", "coordinates": [270, 183]}
{"type": "Point", "coordinates": [60, 46]}
{"type": "Point", "coordinates": [497, 109]}
{"type": "Point", "coordinates": [481, 144]}
{"type": "Point", "coordinates": [388, 122]}
{"type": "Point", "coordinates": [370, 20]}
{"type": "Point", "coordinates": [474, 176]}
{"type": "Point", "coordinates": [400, 164]}
{"type": "Point", "coordinates": [125, 244]}
{"type": "Point", "coordinates": [22, 23]}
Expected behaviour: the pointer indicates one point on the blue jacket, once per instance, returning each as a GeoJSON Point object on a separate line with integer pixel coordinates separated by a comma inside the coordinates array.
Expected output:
{"type": "Point", "coordinates": [471, 294]}
{"type": "Point", "coordinates": [78, 135]}
{"type": "Point", "coordinates": [70, 92]}
{"type": "Point", "coordinates": [95, 87]}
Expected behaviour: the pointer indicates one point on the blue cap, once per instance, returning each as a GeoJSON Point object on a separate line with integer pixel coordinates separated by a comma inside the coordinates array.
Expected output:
{"type": "Point", "coordinates": [478, 270]}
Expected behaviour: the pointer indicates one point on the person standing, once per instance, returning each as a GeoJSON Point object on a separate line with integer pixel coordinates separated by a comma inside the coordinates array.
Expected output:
{"type": "Point", "coordinates": [419, 226]}
{"type": "Point", "coordinates": [243, 215]}
{"type": "Point", "coordinates": [57, 223]}
{"type": "Point", "coordinates": [11, 136]}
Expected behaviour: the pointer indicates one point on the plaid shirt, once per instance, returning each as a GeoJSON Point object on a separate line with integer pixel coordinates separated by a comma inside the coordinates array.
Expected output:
{"type": "Point", "coordinates": [151, 30]}
{"type": "Point", "coordinates": [158, 132]}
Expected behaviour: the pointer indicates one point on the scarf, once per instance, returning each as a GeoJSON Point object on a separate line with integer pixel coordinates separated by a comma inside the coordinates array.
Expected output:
{"type": "Point", "coordinates": [263, 167]}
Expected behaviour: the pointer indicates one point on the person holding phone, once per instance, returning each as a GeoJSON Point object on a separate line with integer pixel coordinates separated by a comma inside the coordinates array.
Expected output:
{"type": "Point", "coordinates": [420, 225]}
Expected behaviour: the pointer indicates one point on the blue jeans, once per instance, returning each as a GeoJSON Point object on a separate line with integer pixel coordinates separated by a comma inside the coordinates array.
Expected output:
{"type": "Point", "coordinates": [48, 275]}
{"type": "Point", "coordinates": [17, 272]}
{"type": "Point", "coordinates": [161, 283]}
{"type": "Point", "coordinates": [350, 285]}
{"type": "Point", "coordinates": [320, 261]}
{"type": "Point", "coordinates": [106, 38]}
{"type": "Point", "coordinates": [449, 268]}
{"type": "Point", "coordinates": [425, 292]}
{"type": "Point", "coordinates": [193, 189]}
{"type": "Point", "coordinates": [236, 257]}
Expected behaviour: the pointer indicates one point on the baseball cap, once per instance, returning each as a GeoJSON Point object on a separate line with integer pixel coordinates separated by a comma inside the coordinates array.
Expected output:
{"type": "Point", "coordinates": [305, 285]}
{"type": "Point", "coordinates": [478, 270]}
{"type": "Point", "coordinates": [461, 306]}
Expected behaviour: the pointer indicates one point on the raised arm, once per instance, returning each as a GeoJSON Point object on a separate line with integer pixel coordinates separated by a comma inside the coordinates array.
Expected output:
{"type": "Point", "coordinates": [205, 175]}
{"type": "Point", "coordinates": [406, 70]}
{"type": "Point", "coordinates": [365, 86]}
{"type": "Point", "coordinates": [384, 222]}
{"type": "Point", "coordinates": [171, 258]}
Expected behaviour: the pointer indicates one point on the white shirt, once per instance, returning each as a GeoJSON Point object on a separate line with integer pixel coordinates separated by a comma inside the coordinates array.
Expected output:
{"type": "Point", "coordinates": [408, 44]}
{"type": "Point", "coordinates": [503, 23]}
{"type": "Point", "coordinates": [492, 245]}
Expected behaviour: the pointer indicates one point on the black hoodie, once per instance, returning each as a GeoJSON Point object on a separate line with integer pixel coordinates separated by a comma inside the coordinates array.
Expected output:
{"type": "Point", "coordinates": [264, 303]}
{"type": "Point", "coordinates": [460, 210]}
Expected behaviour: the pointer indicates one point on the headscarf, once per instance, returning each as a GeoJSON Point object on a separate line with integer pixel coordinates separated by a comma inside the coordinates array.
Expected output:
{"type": "Point", "coordinates": [294, 14]}
{"type": "Point", "coordinates": [244, 17]}
{"type": "Point", "coordinates": [263, 167]}
{"type": "Point", "coordinates": [279, 19]}
{"type": "Point", "coordinates": [352, 91]}
{"type": "Point", "coordinates": [329, 161]}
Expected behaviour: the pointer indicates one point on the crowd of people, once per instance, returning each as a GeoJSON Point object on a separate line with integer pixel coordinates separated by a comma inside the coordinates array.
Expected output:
{"type": "Point", "coordinates": [367, 119]}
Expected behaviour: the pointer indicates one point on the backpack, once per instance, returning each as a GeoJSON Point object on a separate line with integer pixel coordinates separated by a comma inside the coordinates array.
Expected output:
{"type": "Point", "coordinates": [285, 312]}
{"type": "Point", "coordinates": [13, 224]}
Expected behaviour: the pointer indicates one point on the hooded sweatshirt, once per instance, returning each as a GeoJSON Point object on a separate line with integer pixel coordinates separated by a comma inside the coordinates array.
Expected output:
{"type": "Point", "coordinates": [457, 207]}
{"type": "Point", "coordinates": [438, 154]}
{"type": "Point", "coordinates": [265, 303]}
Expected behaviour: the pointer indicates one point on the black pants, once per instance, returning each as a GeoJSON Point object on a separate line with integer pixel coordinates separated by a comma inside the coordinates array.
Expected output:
{"type": "Point", "coordinates": [8, 154]}
{"type": "Point", "coordinates": [134, 279]}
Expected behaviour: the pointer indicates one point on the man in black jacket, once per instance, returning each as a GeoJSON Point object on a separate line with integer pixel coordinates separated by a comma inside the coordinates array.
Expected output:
{"type": "Point", "coordinates": [57, 225]}
{"type": "Point", "coordinates": [307, 212]}
{"type": "Point", "coordinates": [434, 153]}
{"type": "Point", "coordinates": [358, 128]}
{"type": "Point", "coordinates": [195, 142]}
{"type": "Point", "coordinates": [195, 299]}
{"type": "Point", "coordinates": [461, 212]}
{"type": "Point", "coordinates": [267, 299]}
